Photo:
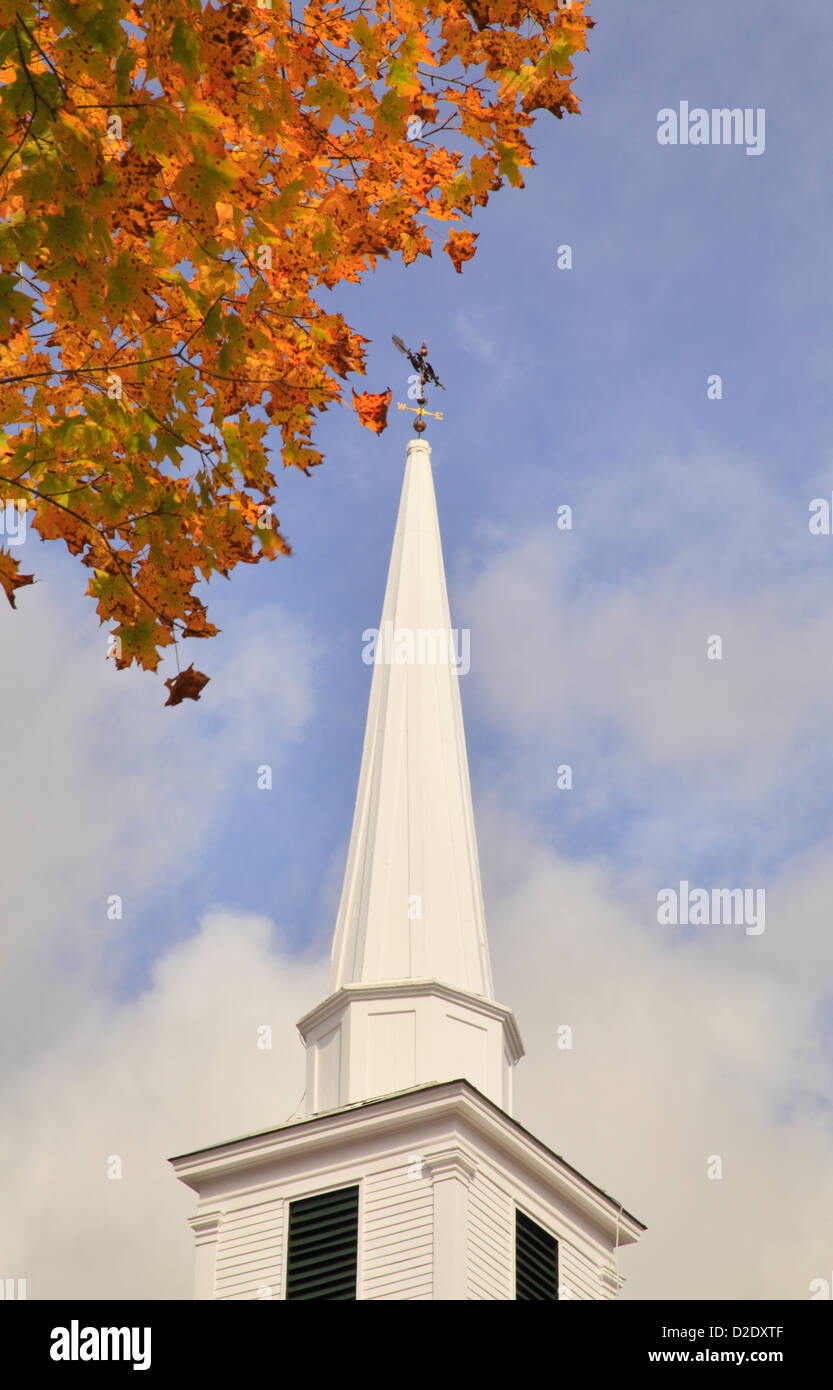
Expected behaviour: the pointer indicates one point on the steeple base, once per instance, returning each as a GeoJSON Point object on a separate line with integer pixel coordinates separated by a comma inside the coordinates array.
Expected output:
{"type": "Point", "coordinates": [370, 1040]}
{"type": "Point", "coordinates": [444, 1187]}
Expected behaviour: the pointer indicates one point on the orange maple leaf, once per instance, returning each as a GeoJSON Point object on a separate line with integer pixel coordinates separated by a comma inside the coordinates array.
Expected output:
{"type": "Point", "coordinates": [372, 409]}
{"type": "Point", "coordinates": [460, 247]}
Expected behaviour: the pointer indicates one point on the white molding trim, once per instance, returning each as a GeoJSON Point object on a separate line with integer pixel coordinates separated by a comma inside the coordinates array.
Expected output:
{"type": "Point", "coordinates": [393, 989]}
{"type": "Point", "coordinates": [337, 1129]}
{"type": "Point", "coordinates": [449, 1163]}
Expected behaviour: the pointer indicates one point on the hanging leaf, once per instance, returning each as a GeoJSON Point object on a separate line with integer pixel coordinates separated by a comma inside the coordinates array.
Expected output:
{"type": "Point", "coordinates": [186, 686]}
{"type": "Point", "coordinates": [460, 247]}
{"type": "Point", "coordinates": [10, 578]}
{"type": "Point", "coordinates": [372, 409]}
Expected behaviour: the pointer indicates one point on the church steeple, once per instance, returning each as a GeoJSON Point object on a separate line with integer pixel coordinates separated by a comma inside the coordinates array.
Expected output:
{"type": "Point", "coordinates": [411, 905]}
{"type": "Point", "coordinates": [408, 1178]}
{"type": "Point", "coordinates": [411, 996]}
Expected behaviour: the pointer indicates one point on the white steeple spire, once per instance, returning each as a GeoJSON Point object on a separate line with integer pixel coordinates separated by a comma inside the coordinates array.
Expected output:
{"type": "Point", "coordinates": [411, 996]}
{"type": "Point", "coordinates": [412, 905]}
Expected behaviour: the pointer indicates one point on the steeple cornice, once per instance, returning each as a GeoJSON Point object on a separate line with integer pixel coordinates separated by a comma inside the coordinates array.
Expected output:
{"type": "Point", "coordinates": [413, 989]}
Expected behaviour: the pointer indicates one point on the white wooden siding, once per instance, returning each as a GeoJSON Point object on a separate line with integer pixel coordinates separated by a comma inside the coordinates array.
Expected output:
{"type": "Point", "coordinates": [578, 1274]}
{"type": "Point", "coordinates": [397, 1234]}
{"type": "Point", "coordinates": [491, 1243]}
{"type": "Point", "coordinates": [250, 1251]}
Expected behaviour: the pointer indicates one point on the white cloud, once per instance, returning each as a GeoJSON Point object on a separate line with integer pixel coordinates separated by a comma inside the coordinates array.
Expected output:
{"type": "Point", "coordinates": [171, 1071]}
{"type": "Point", "coordinates": [681, 1051]}
{"type": "Point", "coordinates": [477, 331]}
{"type": "Point", "coordinates": [589, 647]}
{"type": "Point", "coordinates": [108, 792]}
{"type": "Point", "coordinates": [613, 619]}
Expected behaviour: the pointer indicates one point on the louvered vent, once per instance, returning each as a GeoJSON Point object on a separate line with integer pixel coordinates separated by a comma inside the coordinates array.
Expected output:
{"type": "Point", "coordinates": [536, 1260]}
{"type": "Point", "coordinates": [323, 1244]}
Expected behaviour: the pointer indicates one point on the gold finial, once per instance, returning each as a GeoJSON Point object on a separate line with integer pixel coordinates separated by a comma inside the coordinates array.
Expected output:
{"type": "Point", "coordinates": [419, 423]}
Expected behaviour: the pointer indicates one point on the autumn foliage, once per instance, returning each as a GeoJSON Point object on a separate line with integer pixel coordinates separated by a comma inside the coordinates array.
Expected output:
{"type": "Point", "coordinates": [178, 184]}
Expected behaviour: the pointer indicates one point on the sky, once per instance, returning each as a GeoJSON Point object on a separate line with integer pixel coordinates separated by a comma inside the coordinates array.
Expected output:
{"type": "Point", "coordinates": [135, 1038]}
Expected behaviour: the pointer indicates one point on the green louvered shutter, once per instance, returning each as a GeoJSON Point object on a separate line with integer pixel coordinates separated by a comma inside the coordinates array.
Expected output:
{"type": "Point", "coordinates": [536, 1260]}
{"type": "Point", "coordinates": [323, 1245]}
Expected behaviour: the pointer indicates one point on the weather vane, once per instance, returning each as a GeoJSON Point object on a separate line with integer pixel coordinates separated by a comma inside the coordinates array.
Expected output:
{"type": "Point", "coordinates": [419, 362]}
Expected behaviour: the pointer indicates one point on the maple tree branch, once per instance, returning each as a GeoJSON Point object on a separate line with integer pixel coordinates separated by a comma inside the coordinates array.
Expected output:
{"type": "Point", "coordinates": [284, 117]}
{"type": "Point", "coordinates": [186, 222]}
{"type": "Point", "coordinates": [139, 362]}
{"type": "Point", "coordinates": [46, 59]}
{"type": "Point", "coordinates": [204, 454]}
{"type": "Point", "coordinates": [67, 491]}
{"type": "Point", "coordinates": [23, 140]}
{"type": "Point", "coordinates": [36, 97]}
{"type": "Point", "coordinates": [64, 492]}
{"type": "Point", "coordinates": [111, 550]}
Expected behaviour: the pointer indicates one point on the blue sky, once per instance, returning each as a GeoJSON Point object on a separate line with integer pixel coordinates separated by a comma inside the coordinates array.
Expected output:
{"type": "Point", "coordinates": [585, 387]}
{"type": "Point", "coordinates": [565, 386]}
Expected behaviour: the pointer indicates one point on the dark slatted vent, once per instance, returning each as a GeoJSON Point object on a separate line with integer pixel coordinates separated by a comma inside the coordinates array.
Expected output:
{"type": "Point", "coordinates": [323, 1241]}
{"type": "Point", "coordinates": [536, 1260]}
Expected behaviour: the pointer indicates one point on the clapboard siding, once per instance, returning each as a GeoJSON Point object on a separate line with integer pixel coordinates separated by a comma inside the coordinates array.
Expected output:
{"type": "Point", "coordinates": [491, 1244]}
{"type": "Point", "coordinates": [578, 1274]}
{"type": "Point", "coordinates": [491, 1241]}
{"type": "Point", "coordinates": [250, 1251]}
{"type": "Point", "coordinates": [397, 1235]}
{"type": "Point", "coordinates": [396, 1244]}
